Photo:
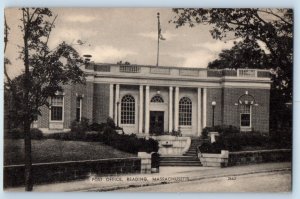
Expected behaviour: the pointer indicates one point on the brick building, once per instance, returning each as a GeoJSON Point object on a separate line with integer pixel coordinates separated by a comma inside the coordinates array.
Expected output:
{"type": "Point", "coordinates": [144, 99]}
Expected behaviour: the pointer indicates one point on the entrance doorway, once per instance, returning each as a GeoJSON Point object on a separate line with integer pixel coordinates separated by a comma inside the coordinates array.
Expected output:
{"type": "Point", "coordinates": [156, 122]}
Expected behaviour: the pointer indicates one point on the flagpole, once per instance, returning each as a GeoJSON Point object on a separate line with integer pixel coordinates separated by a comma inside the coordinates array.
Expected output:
{"type": "Point", "coordinates": [158, 35]}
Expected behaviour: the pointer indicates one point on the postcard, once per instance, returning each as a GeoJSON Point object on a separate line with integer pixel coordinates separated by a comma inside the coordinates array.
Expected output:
{"type": "Point", "coordinates": [148, 99]}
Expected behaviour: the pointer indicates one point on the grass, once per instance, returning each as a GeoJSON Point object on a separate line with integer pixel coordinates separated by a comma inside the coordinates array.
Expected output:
{"type": "Point", "coordinates": [50, 150]}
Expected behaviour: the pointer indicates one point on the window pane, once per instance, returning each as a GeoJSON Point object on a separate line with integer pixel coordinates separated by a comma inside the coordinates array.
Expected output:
{"type": "Point", "coordinates": [245, 111]}
{"type": "Point", "coordinates": [57, 101]}
{"type": "Point", "coordinates": [78, 109]}
{"type": "Point", "coordinates": [78, 114]}
{"type": "Point", "coordinates": [245, 120]}
{"type": "Point", "coordinates": [78, 99]}
{"type": "Point", "coordinates": [56, 113]}
{"type": "Point", "coordinates": [185, 111]}
{"type": "Point", "coordinates": [128, 110]}
{"type": "Point", "coordinates": [157, 99]}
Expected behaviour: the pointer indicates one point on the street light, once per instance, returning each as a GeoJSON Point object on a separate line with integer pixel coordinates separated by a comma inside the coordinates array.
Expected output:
{"type": "Point", "coordinates": [213, 104]}
{"type": "Point", "coordinates": [118, 114]}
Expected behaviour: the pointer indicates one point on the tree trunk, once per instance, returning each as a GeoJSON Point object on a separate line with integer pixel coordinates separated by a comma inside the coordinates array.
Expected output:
{"type": "Point", "coordinates": [28, 159]}
{"type": "Point", "coordinates": [27, 136]}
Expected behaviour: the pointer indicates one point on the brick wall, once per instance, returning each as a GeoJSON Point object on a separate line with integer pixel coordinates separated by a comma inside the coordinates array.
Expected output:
{"type": "Point", "coordinates": [43, 121]}
{"type": "Point", "coordinates": [260, 113]}
{"type": "Point", "coordinates": [214, 94]}
{"type": "Point", "coordinates": [95, 105]}
{"type": "Point", "coordinates": [70, 94]}
{"type": "Point", "coordinates": [87, 92]}
{"type": "Point", "coordinates": [68, 97]}
{"type": "Point", "coordinates": [227, 113]}
{"type": "Point", "coordinates": [101, 103]}
{"type": "Point", "coordinates": [88, 100]}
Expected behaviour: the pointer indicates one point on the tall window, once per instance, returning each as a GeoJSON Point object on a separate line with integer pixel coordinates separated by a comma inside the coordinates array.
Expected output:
{"type": "Point", "coordinates": [245, 115]}
{"type": "Point", "coordinates": [57, 108]}
{"type": "Point", "coordinates": [128, 110]}
{"type": "Point", "coordinates": [185, 111]}
{"type": "Point", "coordinates": [157, 99]}
{"type": "Point", "coordinates": [78, 108]}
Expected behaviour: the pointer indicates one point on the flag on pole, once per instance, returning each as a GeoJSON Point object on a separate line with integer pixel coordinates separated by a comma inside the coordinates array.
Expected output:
{"type": "Point", "coordinates": [160, 36]}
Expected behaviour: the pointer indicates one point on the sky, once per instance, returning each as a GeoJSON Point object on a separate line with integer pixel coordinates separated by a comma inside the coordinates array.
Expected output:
{"type": "Point", "coordinates": [114, 34]}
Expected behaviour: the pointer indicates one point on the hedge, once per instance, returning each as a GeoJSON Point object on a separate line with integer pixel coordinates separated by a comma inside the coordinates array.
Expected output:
{"type": "Point", "coordinates": [231, 139]}
{"type": "Point", "coordinates": [106, 133]}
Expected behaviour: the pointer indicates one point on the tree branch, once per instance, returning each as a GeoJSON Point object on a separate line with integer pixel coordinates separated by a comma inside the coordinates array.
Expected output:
{"type": "Point", "coordinates": [6, 61]}
{"type": "Point", "coordinates": [272, 13]}
{"type": "Point", "coordinates": [51, 26]}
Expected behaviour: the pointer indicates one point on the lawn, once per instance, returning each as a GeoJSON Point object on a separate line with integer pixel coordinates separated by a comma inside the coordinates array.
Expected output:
{"type": "Point", "coordinates": [50, 150]}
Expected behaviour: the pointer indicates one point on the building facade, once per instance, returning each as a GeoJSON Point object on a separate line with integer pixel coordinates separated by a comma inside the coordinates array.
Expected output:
{"type": "Point", "coordinates": [149, 99]}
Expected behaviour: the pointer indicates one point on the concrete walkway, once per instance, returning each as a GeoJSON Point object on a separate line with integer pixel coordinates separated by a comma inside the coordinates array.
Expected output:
{"type": "Point", "coordinates": [166, 175]}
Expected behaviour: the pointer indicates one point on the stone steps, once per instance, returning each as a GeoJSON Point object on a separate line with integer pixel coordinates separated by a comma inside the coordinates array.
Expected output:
{"type": "Point", "coordinates": [179, 161]}
{"type": "Point", "coordinates": [178, 158]}
{"type": "Point", "coordinates": [193, 148]}
{"type": "Point", "coordinates": [189, 158]}
{"type": "Point", "coordinates": [185, 163]}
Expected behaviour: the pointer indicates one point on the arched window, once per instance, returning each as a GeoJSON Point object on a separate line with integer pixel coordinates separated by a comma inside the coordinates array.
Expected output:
{"type": "Point", "coordinates": [185, 111]}
{"type": "Point", "coordinates": [128, 110]}
{"type": "Point", "coordinates": [157, 99]}
{"type": "Point", "coordinates": [245, 103]}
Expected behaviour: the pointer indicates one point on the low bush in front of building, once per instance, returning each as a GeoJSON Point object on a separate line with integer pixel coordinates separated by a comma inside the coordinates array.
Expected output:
{"type": "Point", "coordinates": [235, 142]}
{"type": "Point", "coordinates": [97, 127]}
{"type": "Point", "coordinates": [230, 138]}
{"type": "Point", "coordinates": [80, 127]}
{"type": "Point", "coordinates": [106, 133]}
{"type": "Point", "coordinates": [222, 130]}
{"type": "Point", "coordinates": [215, 147]}
{"type": "Point", "coordinates": [247, 141]}
{"type": "Point", "coordinates": [129, 143]}
{"type": "Point", "coordinates": [18, 133]}
{"type": "Point", "coordinates": [282, 138]}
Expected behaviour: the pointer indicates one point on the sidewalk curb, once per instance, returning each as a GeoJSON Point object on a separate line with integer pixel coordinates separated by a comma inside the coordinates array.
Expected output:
{"type": "Point", "coordinates": [112, 188]}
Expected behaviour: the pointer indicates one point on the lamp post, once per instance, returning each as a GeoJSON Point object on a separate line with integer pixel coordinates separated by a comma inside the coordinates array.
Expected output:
{"type": "Point", "coordinates": [213, 104]}
{"type": "Point", "coordinates": [118, 114]}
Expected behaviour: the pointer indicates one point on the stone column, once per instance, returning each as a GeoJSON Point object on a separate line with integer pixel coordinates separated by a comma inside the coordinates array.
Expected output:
{"type": "Point", "coordinates": [170, 109]}
{"type": "Point", "coordinates": [141, 109]}
{"type": "Point", "coordinates": [117, 99]}
{"type": "Point", "coordinates": [204, 107]}
{"type": "Point", "coordinates": [199, 119]}
{"type": "Point", "coordinates": [176, 104]}
{"type": "Point", "coordinates": [147, 113]}
{"type": "Point", "coordinates": [111, 100]}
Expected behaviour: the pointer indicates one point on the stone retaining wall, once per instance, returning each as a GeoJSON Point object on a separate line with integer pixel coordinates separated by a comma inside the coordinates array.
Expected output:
{"type": "Point", "coordinates": [252, 157]}
{"type": "Point", "coordinates": [214, 160]}
{"type": "Point", "coordinates": [244, 157]}
{"type": "Point", "coordinates": [71, 170]}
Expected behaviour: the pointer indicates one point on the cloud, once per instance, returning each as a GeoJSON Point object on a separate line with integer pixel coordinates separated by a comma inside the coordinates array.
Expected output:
{"type": "Point", "coordinates": [204, 53]}
{"type": "Point", "coordinates": [199, 58]}
{"type": "Point", "coordinates": [106, 53]}
{"type": "Point", "coordinates": [80, 18]}
{"type": "Point", "coordinates": [153, 35]}
{"type": "Point", "coordinates": [217, 46]}
{"type": "Point", "coordinates": [70, 36]}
